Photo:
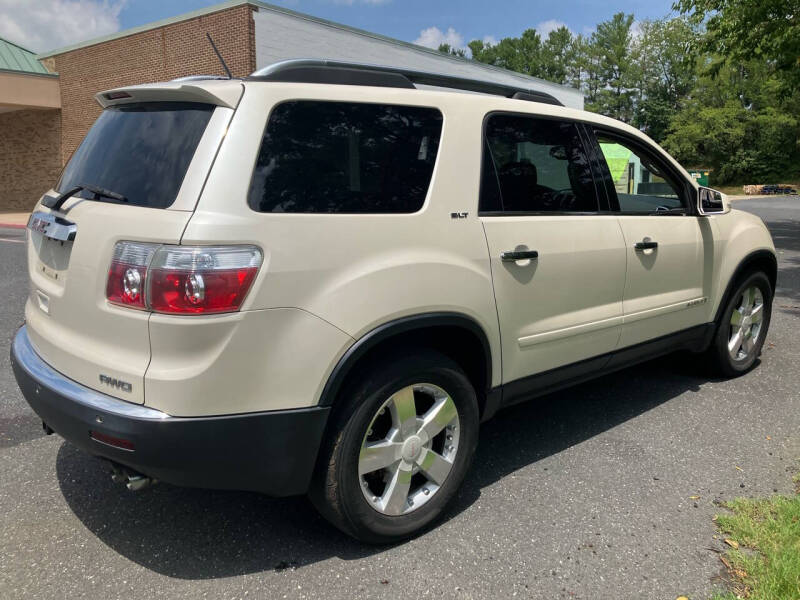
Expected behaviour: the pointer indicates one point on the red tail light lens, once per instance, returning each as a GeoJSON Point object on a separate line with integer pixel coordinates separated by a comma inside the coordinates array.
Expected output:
{"type": "Point", "coordinates": [187, 279]}
{"type": "Point", "coordinates": [213, 279]}
{"type": "Point", "coordinates": [128, 273]}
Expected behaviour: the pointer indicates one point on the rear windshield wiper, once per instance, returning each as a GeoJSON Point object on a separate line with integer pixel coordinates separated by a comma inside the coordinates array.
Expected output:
{"type": "Point", "coordinates": [98, 192]}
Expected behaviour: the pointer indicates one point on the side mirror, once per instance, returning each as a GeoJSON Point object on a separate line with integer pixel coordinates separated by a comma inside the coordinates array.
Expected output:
{"type": "Point", "coordinates": [710, 202]}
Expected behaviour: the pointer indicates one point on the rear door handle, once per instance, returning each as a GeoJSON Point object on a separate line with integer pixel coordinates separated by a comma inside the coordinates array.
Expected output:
{"type": "Point", "coordinates": [515, 255]}
{"type": "Point", "coordinates": [646, 244]}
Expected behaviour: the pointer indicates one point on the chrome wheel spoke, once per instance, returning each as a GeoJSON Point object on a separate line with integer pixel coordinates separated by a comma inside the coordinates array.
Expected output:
{"type": "Point", "coordinates": [404, 412]}
{"type": "Point", "coordinates": [748, 344]}
{"type": "Point", "coordinates": [435, 466]}
{"type": "Point", "coordinates": [378, 455]}
{"type": "Point", "coordinates": [395, 498]}
{"type": "Point", "coordinates": [748, 298]}
{"type": "Point", "coordinates": [757, 313]}
{"type": "Point", "coordinates": [439, 416]}
{"type": "Point", "coordinates": [735, 343]}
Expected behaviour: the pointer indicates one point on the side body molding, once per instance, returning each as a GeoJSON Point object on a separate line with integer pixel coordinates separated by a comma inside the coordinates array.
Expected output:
{"type": "Point", "coordinates": [398, 327]}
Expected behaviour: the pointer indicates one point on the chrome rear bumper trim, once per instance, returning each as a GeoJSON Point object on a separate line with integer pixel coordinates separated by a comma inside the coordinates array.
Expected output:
{"type": "Point", "coordinates": [27, 358]}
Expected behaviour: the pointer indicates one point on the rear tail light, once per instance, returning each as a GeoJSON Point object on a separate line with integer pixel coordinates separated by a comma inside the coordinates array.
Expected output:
{"type": "Point", "coordinates": [128, 273]}
{"type": "Point", "coordinates": [182, 279]}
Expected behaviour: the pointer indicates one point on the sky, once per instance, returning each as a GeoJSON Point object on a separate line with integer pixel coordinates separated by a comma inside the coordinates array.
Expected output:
{"type": "Point", "coordinates": [42, 25]}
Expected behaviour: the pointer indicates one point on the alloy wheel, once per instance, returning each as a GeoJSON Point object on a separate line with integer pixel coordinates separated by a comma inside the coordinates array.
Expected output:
{"type": "Point", "coordinates": [745, 325]}
{"type": "Point", "coordinates": [409, 449]}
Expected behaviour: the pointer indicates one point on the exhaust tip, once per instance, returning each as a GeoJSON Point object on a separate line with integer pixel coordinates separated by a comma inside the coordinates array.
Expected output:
{"type": "Point", "coordinates": [131, 479]}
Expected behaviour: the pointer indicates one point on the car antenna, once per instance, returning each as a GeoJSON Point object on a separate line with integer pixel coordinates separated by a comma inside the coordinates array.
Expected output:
{"type": "Point", "coordinates": [219, 56]}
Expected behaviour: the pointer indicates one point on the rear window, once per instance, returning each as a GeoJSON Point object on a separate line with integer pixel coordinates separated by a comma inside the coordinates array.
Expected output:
{"type": "Point", "coordinates": [344, 157]}
{"type": "Point", "coordinates": [141, 151]}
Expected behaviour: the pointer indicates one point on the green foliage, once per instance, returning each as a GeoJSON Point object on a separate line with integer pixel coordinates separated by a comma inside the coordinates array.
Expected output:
{"type": "Point", "coordinates": [736, 124]}
{"type": "Point", "coordinates": [615, 67]}
{"type": "Point", "coordinates": [719, 86]}
{"type": "Point", "coordinates": [744, 30]}
{"type": "Point", "coordinates": [448, 49]}
{"type": "Point", "coordinates": [766, 565]}
{"type": "Point", "coordinates": [738, 144]}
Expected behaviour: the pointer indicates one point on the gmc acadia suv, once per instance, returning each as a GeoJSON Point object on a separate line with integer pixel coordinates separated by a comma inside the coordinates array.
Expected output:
{"type": "Point", "coordinates": [321, 278]}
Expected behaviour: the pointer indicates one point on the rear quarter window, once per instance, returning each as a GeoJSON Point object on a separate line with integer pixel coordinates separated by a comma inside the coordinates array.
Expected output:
{"type": "Point", "coordinates": [345, 157]}
{"type": "Point", "coordinates": [139, 150]}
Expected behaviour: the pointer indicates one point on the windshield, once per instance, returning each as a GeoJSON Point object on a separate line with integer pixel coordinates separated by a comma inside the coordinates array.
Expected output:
{"type": "Point", "coordinates": [139, 151]}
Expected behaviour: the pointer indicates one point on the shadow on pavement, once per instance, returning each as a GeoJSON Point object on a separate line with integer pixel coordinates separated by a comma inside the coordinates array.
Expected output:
{"type": "Point", "coordinates": [200, 534]}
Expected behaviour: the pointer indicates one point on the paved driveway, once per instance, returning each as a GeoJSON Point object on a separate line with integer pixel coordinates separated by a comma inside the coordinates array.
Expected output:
{"type": "Point", "coordinates": [586, 494]}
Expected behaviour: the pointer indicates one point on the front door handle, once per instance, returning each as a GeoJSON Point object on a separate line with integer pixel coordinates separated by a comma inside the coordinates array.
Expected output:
{"type": "Point", "coordinates": [515, 255]}
{"type": "Point", "coordinates": [646, 244]}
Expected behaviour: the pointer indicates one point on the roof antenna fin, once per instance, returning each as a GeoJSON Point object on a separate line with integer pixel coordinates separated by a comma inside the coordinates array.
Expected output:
{"type": "Point", "coordinates": [219, 56]}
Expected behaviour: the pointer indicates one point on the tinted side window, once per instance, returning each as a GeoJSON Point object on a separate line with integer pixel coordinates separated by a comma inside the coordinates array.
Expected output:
{"type": "Point", "coordinates": [641, 183]}
{"type": "Point", "coordinates": [541, 165]}
{"type": "Point", "coordinates": [344, 157]}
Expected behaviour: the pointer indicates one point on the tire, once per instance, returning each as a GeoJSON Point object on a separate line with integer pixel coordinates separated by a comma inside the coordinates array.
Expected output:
{"type": "Point", "coordinates": [369, 504]}
{"type": "Point", "coordinates": [731, 362]}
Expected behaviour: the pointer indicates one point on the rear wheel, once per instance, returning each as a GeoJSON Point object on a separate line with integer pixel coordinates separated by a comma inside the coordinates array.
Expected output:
{"type": "Point", "coordinates": [399, 446]}
{"type": "Point", "coordinates": [743, 326]}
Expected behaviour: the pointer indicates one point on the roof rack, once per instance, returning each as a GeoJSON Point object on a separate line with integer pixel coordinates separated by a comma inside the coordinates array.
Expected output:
{"type": "Point", "coordinates": [309, 70]}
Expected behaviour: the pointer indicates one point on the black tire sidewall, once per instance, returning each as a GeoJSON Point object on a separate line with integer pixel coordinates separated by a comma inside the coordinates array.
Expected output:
{"type": "Point", "coordinates": [727, 365]}
{"type": "Point", "coordinates": [362, 519]}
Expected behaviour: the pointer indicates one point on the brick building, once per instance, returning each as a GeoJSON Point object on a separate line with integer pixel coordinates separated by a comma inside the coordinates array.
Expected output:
{"type": "Point", "coordinates": [249, 34]}
{"type": "Point", "coordinates": [30, 127]}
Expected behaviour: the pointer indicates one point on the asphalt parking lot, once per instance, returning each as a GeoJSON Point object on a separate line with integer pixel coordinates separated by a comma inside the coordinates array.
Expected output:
{"type": "Point", "coordinates": [606, 490]}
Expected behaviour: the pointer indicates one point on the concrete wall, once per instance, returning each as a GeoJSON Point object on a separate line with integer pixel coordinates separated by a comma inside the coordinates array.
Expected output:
{"type": "Point", "coordinates": [279, 36]}
{"type": "Point", "coordinates": [30, 160]}
{"type": "Point", "coordinates": [28, 90]}
{"type": "Point", "coordinates": [155, 55]}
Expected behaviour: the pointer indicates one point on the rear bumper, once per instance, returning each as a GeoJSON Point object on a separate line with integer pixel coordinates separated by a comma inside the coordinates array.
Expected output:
{"type": "Point", "coordinates": [270, 452]}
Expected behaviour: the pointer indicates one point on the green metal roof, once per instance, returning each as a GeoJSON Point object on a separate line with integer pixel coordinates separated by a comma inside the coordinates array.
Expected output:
{"type": "Point", "coordinates": [17, 58]}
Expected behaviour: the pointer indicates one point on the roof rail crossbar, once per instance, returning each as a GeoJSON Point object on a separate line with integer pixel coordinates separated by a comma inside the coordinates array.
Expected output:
{"type": "Point", "coordinates": [344, 73]}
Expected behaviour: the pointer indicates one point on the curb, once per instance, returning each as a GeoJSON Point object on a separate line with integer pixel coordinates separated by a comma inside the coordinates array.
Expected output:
{"type": "Point", "coordinates": [12, 225]}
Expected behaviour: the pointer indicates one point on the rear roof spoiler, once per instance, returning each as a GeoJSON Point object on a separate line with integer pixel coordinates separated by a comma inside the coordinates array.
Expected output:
{"type": "Point", "coordinates": [207, 91]}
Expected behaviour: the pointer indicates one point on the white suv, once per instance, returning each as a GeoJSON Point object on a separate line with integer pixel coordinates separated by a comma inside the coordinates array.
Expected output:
{"type": "Point", "coordinates": [321, 278]}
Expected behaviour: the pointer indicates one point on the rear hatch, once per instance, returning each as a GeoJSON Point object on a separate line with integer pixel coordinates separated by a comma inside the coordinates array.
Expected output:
{"type": "Point", "coordinates": [136, 176]}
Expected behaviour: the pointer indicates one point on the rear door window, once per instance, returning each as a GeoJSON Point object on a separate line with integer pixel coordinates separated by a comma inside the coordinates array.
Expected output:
{"type": "Point", "coordinates": [345, 157]}
{"type": "Point", "coordinates": [141, 151]}
{"type": "Point", "coordinates": [535, 165]}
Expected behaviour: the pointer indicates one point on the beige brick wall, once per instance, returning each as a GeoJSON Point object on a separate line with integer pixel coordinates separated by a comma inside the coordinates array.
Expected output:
{"type": "Point", "coordinates": [30, 160]}
{"type": "Point", "coordinates": [155, 55]}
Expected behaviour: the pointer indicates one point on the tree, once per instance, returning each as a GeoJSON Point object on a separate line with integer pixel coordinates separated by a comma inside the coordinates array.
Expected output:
{"type": "Point", "coordinates": [557, 55]}
{"type": "Point", "coordinates": [522, 54]}
{"type": "Point", "coordinates": [612, 47]}
{"type": "Point", "coordinates": [664, 70]}
{"type": "Point", "coordinates": [735, 123]}
{"type": "Point", "coordinates": [448, 49]}
{"type": "Point", "coordinates": [745, 30]}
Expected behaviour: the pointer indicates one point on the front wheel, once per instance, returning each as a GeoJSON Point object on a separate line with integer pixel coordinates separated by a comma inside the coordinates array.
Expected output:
{"type": "Point", "coordinates": [399, 446]}
{"type": "Point", "coordinates": [743, 326]}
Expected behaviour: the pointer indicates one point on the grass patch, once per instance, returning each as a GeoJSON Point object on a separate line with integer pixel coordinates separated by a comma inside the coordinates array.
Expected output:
{"type": "Point", "coordinates": [766, 564]}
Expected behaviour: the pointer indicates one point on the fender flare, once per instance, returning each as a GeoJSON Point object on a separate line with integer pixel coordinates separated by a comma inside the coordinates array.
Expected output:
{"type": "Point", "coordinates": [396, 327]}
{"type": "Point", "coordinates": [744, 265]}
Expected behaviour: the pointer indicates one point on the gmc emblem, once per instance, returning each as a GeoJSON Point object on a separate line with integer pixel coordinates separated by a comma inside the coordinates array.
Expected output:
{"type": "Point", "coordinates": [116, 383]}
{"type": "Point", "coordinates": [38, 225]}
